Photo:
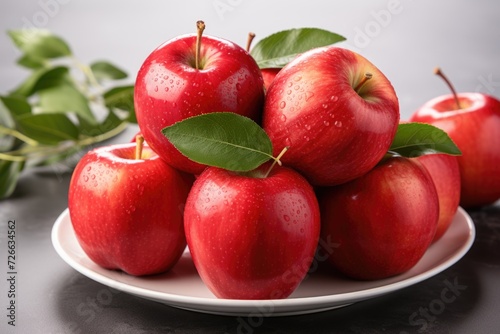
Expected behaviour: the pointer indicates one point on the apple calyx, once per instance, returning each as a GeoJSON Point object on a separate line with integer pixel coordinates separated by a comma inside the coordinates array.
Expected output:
{"type": "Point", "coordinates": [139, 140]}
{"type": "Point", "coordinates": [438, 72]}
{"type": "Point", "coordinates": [367, 77]}
{"type": "Point", "coordinates": [251, 36]}
{"type": "Point", "coordinates": [200, 27]}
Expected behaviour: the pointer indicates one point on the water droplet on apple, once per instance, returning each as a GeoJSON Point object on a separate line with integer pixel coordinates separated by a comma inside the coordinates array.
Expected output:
{"type": "Point", "coordinates": [89, 168]}
{"type": "Point", "coordinates": [165, 77]}
{"type": "Point", "coordinates": [338, 124]}
{"type": "Point", "coordinates": [156, 88]}
{"type": "Point", "coordinates": [290, 84]}
{"type": "Point", "coordinates": [309, 95]}
{"type": "Point", "coordinates": [207, 200]}
{"type": "Point", "coordinates": [283, 105]}
{"type": "Point", "coordinates": [85, 178]}
{"type": "Point", "coordinates": [92, 176]}
{"type": "Point", "coordinates": [307, 126]}
{"type": "Point", "coordinates": [297, 78]}
{"type": "Point", "coordinates": [301, 230]}
{"type": "Point", "coordinates": [306, 138]}
{"type": "Point", "coordinates": [289, 92]}
{"type": "Point", "coordinates": [230, 80]}
{"type": "Point", "coordinates": [200, 93]}
{"type": "Point", "coordinates": [286, 218]}
{"type": "Point", "coordinates": [156, 79]}
{"type": "Point", "coordinates": [334, 98]}
{"type": "Point", "coordinates": [326, 123]}
{"type": "Point", "coordinates": [288, 142]}
{"type": "Point", "coordinates": [166, 89]}
{"type": "Point", "coordinates": [325, 106]}
{"type": "Point", "coordinates": [296, 87]}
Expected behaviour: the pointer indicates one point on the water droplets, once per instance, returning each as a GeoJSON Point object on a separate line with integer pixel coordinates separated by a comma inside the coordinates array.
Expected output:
{"type": "Point", "coordinates": [282, 104]}
{"type": "Point", "coordinates": [85, 178]}
{"type": "Point", "coordinates": [326, 123]}
{"type": "Point", "coordinates": [338, 124]}
{"type": "Point", "coordinates": [334, 98]}
{"type": "Point", "coordinates": [286, 218]}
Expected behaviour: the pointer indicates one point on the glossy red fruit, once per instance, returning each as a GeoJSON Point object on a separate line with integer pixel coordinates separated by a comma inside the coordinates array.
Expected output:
{"type": "Point", "coordinates": [475, 129]}
{"type": "Point", "coordinates": [169, 88]}
{"type": "Point", "coordinates": [445, 173]}
{"type": "Point", "coordinates": [335, 110]}
{"type": "Point", "coordinates": [252, 237]}
{"type": "Point", "coordinates": [382, 222]}
{"type": "Point", "coordinates": [127, 213]}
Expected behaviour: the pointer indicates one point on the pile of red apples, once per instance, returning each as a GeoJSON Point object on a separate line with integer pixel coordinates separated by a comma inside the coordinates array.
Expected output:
{"type": "Point", "coordinates": [135, 206]}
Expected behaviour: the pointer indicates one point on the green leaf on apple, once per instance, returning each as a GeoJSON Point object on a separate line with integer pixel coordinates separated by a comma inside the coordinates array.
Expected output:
{"type": "Point", "coordinates": [277, 50]}
{"type": "Point", "coordinates": [221, 139]}
{"type": "Point", "coordinates": [39, 43]}
{"type": "Point", "coordinates": [416, 139]}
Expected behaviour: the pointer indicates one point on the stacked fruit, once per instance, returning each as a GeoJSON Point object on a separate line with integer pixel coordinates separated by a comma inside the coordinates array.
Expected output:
{"type": "Point", "coordinates": [253, 178]}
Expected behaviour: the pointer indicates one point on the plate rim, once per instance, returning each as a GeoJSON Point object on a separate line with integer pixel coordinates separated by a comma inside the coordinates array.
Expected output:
{"type": "Point", "coordinates": [235, 307]}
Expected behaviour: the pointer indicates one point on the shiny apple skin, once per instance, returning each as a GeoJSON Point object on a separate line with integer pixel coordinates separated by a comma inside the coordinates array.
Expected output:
{"type": "Point", "coordinates": [475, 129]}
{"type": "Point", "coordinates": [252, 238]}
{"type": "Point", "coordinates": [333, 133]}
{"type": "Point", "coordinates": [128, 214]}
{"type": "Point", "coordinates": [169, 89]}
{"type": "Point", "coordinates": [268, 74]}
{"type": "Point", "coordinates": [381, 223]}
{"type": "Point", "coordinates": [445, 173]}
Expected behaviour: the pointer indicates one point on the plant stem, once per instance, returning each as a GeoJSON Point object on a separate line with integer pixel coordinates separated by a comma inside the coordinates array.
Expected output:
{"type": "Point", "coordinates": [438, 72]}
{"type": "Point", "coordinates": [367, 77]}
{"type": "Point", "coordinates": [251, 36]}
{"type": "Point", "coordinates": [18, 135]}
{"type": "Point", "coordinates": [200, 26]}
{"type": "Point", "coordinates": [139, 140]}
{"type": "Point", "coordinates": [276, 160]}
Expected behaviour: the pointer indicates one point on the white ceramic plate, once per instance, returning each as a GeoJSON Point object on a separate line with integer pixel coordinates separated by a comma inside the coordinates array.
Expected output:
{"type": "Point", "coordinates": [183, 288]}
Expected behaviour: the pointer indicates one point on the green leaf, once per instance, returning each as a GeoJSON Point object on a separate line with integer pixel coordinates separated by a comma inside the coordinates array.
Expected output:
{"type": "Point", "coordinates": [91, 130]}
{"type": "Point", "coordinates": [40, 79]}
{"type": "Point", "coordinates": [221, 139]}
{"type": "Point", "coordinates": [39, 43]}
{"type": "Point", "coordinates": [48, 129]}
{"type": "Point", "coordinates": [30, 62]}
{"type": "Point", "coordinates": [416, 139]}
{"type": "Point", "coordinates": [104, 70]}
{"type": "Point", "coordinates": [277, 50]}
{"type": "Point", "coordinates": [121, 98]}
{"type": "Point", "coordinates": [10, 108]}
{"type": "Point", "coordinates": [9, 175]}
{"type": "Point", "coordinates": [63, 99]}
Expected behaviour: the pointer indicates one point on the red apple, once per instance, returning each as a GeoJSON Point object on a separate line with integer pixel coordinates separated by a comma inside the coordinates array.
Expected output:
{"type": "Point", "coordinates": [127, 213]}
{"type": "Point", "coordinates": [335, 110]}
{"type": "Point", "coordinates": [250, 236]}
{"type": "Point", "coordinates": [445, 173]}
{"type": "Point", "coordinates": [171, 86]}
{"type": "Point", "coordinates": [382, 222]}
{"type": "Point", "coordinates": [268, 74]}
{"type": "Point", "coordinates": [474, 126]}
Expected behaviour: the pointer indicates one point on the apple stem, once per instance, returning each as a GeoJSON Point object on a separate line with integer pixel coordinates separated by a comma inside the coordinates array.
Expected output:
{"type": "Point", "coordinates": [276, 160]}
{"type": "Point", "coordinates": [251, 36]}
{"type": "Point", "coordinates": [139, 140]}
{"type": "Point", "coordinates": [200, 27]}
{"type": "Point", "coordinates": [367, 77]}
{"type": "Point", "coordinates": [438, 72]}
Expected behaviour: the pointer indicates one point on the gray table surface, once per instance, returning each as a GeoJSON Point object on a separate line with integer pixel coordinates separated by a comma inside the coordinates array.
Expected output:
{"type": "Point", "coordinates": [461, 36]}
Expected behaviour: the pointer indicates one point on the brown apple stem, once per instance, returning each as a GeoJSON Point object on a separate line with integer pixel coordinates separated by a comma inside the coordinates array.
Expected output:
{"type": "Point", "coordinates": [139, 141]}
{"type": "Point", "coordinates": [251, 36]}
{"type": "Point", "coordinates": [200, 27]}
{"type": "Point", "coordinates": [367, 77]}
{"type": "Point", "coordinates": [438, 72]}
{"type": "Point", "coordinates": [276, 160]}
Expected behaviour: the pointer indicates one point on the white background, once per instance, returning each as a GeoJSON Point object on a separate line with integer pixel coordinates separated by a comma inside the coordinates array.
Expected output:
{"type": "Point", "coordinates": [405, 39]}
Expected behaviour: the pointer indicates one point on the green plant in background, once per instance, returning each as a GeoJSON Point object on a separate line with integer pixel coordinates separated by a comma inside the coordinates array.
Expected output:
{"type": "Point", "coordinates": [62, 107]}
